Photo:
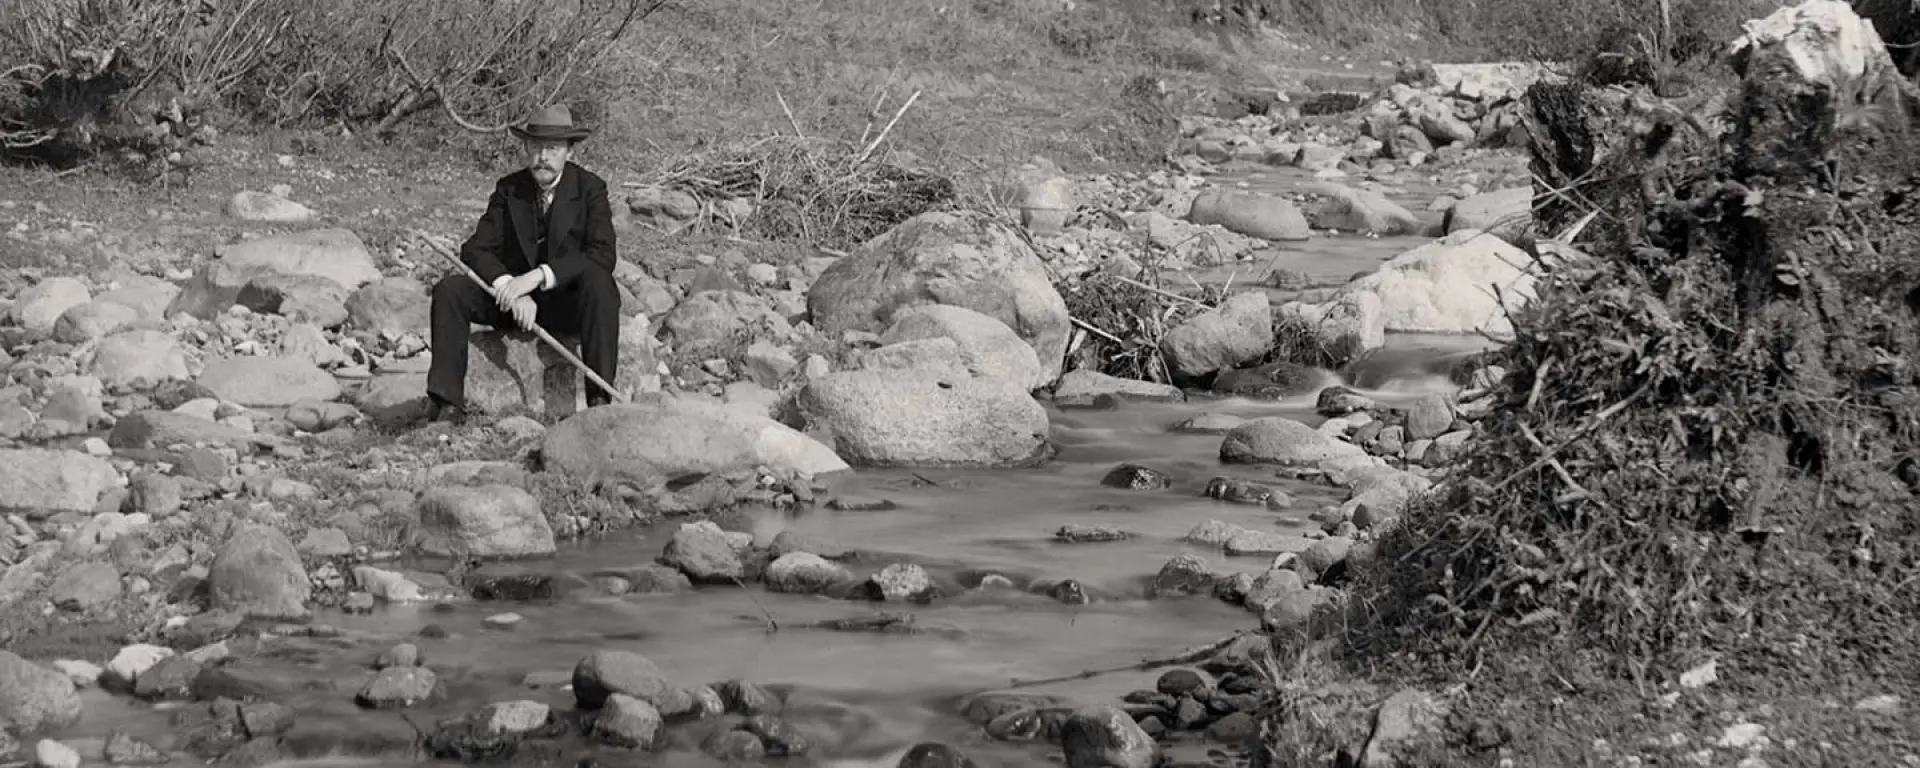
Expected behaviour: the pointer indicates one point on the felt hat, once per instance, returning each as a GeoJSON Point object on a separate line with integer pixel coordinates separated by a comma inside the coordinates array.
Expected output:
{"type": "Point", "coordinates": [552, 122]}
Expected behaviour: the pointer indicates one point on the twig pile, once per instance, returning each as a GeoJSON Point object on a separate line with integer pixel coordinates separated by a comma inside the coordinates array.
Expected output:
{"type": "Point", "coordinates": [1124, 318]}
{"type": "Point", "coordinates": [815, 191]}
{"type": "Point", "coordinates": [1709, 433]}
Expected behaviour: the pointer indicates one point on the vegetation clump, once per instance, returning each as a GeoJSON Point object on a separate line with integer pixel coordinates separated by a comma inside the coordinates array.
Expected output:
{"type": "Point", "coordinates": [1706, 443]}
{"type": "Point", "coordinates": [814, 191]}
{"type": "Point", "coordinates": [1124, 317]}
{"type": "Point", "coordinates": [79, 77]}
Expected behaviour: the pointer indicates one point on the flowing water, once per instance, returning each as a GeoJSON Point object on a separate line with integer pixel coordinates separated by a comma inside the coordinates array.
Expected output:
{"type": "Point", "coordinates": [876, 693]}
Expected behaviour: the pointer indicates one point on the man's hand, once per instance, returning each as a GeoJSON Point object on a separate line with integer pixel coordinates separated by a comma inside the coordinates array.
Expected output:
{"type": "Point", "coordinates": [516, 288]}
{"type": "Point", "coordinates": [524, 311]}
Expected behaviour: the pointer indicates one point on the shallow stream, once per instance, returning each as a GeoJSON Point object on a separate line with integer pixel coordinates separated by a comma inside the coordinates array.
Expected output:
{"type": "Point", "coordinates": [877, 693]}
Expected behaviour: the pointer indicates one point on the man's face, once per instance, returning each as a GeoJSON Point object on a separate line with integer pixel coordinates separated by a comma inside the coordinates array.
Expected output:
{"type": "Point", "coordinates": [546, 157]}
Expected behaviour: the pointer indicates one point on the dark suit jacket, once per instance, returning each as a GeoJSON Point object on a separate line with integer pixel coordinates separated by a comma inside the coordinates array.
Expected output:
{"type": "Point", "coordinates": [579, 228]}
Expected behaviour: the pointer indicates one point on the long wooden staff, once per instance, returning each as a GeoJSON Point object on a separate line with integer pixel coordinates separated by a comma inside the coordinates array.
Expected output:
{"type": "Point", "coordinates": [565, 353]}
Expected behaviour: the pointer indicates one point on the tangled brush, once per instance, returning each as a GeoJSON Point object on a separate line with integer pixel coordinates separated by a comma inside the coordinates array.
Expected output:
{"type": "Point", "coordinates": [1708, 436]}
{"type": "Point", "coordinates": [813, 191]}
{"type": "Point", "coordinates": [1123, 319]}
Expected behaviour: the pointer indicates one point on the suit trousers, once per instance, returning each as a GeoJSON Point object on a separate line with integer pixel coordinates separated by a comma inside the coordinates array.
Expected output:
{"type": "Point", "coordinates": [590, 308]}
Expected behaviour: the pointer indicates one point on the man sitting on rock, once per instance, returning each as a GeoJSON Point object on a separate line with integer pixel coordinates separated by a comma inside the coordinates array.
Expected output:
{"type": "Point", "coordinates": [546, 245]}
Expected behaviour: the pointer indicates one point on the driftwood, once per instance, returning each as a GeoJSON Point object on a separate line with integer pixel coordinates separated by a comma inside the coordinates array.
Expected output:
{"type": "Point", "coordinates": [1189, 656]}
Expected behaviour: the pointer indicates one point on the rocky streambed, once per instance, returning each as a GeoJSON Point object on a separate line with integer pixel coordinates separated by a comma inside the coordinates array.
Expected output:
{"type": "Point", "coordinates": [1134, 543]}
{"type": "Point", "coordinates": [876, 523]}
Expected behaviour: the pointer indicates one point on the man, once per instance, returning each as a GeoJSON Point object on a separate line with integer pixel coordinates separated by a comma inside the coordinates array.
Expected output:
{"type": "Point", "coordinates": [546, 245]}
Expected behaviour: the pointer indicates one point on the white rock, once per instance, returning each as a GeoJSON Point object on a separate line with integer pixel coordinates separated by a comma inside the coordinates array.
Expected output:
{"type": "Point", "coordinates": [517, 716]}
{"type": "Point", "coordinates": [135, 659]}
{"type": "Point", "coordinates": [387, 585]}
{"type": "Point", "coordinates": [1742, 736]}
{"type": "Point", "coordinates": [1488, 82]}
{"type": "Point", "coordinates": [1825, 39]}
{"type": "Point", "coordinates": [52, 754]}
{"type": "Point", "coordinates": [1702, 675]}
{"type": "Point", "coordinates": [248, 205]}
{"type": "Point", "coordinates": [138, 356]}
{"type": "Point", "coordinates": [40, 306]}
{"type": "Point", "coordinates": [1353, 322]}
{"type": "Point", "coordinates": [82, 673]}
{"type": "Point", "coordinates": [1448, 285]}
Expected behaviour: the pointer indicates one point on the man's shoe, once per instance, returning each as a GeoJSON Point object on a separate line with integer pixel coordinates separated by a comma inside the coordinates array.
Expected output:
{"type": "Point", "coordinates": [442, 412]}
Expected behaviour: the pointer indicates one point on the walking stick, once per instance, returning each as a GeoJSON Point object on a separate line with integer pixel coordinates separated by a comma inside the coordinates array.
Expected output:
{"type": "Point", "coordinates": [565, 353]}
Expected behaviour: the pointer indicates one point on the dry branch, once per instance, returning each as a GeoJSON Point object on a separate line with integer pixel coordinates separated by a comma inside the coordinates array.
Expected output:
{"type": "Point", "coordinates": [868, 151]}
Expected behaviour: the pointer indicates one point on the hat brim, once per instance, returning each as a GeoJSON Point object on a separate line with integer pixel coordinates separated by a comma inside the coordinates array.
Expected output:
{"type": "Point", "coordinates": [549, 132]}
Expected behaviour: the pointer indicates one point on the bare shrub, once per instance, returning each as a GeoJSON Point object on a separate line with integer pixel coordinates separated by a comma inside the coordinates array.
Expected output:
{"type": "Point", "coordinates": [487, 69]}
{"type": "Point", "coordinates": [98, 74]}
{"type": "Point", "coordinates": [803, 190]}
{"type": "Point", "coordinates": [85, 73]}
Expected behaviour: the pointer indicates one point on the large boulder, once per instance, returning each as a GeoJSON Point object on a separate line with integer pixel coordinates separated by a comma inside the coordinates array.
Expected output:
{"type": "Point", "coordinates": [395, 305]}
{"type": "Point", "coordinates": [40, 306]}
{"type": "Point", "coordinates": [963, 259]}
{"type": "Point", "coordinates": [1450, 285]}
{"type": "Point", "coordinates": [39, 481]}
{"type": "Point", "coordinates": [93, 320]}
{"type": "Point", "coordinates": [1238, 331]}
{"type": "Point", "coordinates": [147, 295]}
{"type": "Point", "coordinates": [1197, 244]}
{"type": "Point", "coordinates": [268, 382]}
{"type": "Point", "coordinates": [909, 418]}
{"type": "Point", "coordinates": [1082, 387]}
{"type": "Point", "coordinates": [1435, 118]}
{"type": "Point", "coordinates": [138, 357]}
{"type": "Point", "coordinates": [661, 437]}
{"type": "Point", "coordinates": [1505, 213]}
{"type": "Point", "coordinates": [1341, 328]}
{"type": "Point", "coordinates": [1277, 380]}
{"type": "Point", "coordinates": [711, 318]}
{"type": "Point", "coordinates": [938, 357]}
{"type": "Point", "coordinates": [1107, 737]}
{"type": "Point", "coordinates": [213, 289]}
{"type": "Point", "coordinates": [1280, 440]}
{"type": "Point", "coordinates": [514, 369]}
{"type": "Point", "coordinates": [1825, 42]}
{"type": "Point", "coordinates": [159, 429]}
{"type": "Point", "coordinates": [604, 674]}
{"type": "Point", "coordinates": [988, 347]}
{"type": "Point", "coordinates": [1262, 216]}
{"type": "Point", "coordinates": [34, 698]}
{"type": "Point", "coordinates": [483, 521]}
{"type": "Point", "coordinates": [300, 298]}
{"type": "Point", "coordinates": [257, 573]}
{"type": "Point", "coordinates": [395, 398]}
{"type": "Point", "coordinates": [336, 254]}
{"type": "Point", "coordinates": [1362, 210]}
{"type": "Point", "coordinates": [1488, 82]}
